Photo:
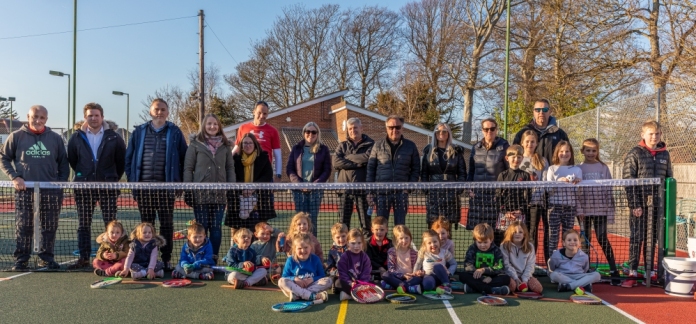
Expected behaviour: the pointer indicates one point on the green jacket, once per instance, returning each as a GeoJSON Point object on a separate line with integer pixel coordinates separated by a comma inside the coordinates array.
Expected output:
{"type": "Point", "coordinates": [201, 166]}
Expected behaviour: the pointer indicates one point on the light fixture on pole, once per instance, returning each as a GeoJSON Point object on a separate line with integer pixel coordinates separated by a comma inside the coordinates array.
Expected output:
{"type": "Point", "coordinates": [61, 74]}
{"type": "Point", "coordinates": [120, 93]}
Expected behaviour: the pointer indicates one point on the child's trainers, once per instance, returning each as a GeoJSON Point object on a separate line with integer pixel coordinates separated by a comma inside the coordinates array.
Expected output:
{"type": "Point", "coordinates": [238, 284]}
{"type": "Point", "coordinates": [206, 276]}
{"type": "Point", "coordinates": [177, 275]}
{"type": "Point", "coordinates": [579, 291]}
{"type": "Point", "coordinates": [385, 285]}
{"type": "Point", "coordinates": [504, 290]}
{"type": "Point", "coordinates": [588, 288]}
{"type": "Point", "coordinates": [262, 282]}
{"type": "Point", "coordinates": [100, 272]}
{"type": "Point", "coordinates": [443, 290]}
{"type": "Point", "coordinates": [414, 289]}
{"type": "Point", "coordinates": [467, 289]}
{"type": "Point", "coordinates": [344, 296]}
{"type": "Point", "coordinates": [138, 274]}
{"type": "Point", "coordinates": [293, 297]}
{"type": "Point", "coordinates": [629, 283]}
{"type": "Point", "coordinates": [159, 274]}
{"type": "Point", "coordinates": [321, 297]}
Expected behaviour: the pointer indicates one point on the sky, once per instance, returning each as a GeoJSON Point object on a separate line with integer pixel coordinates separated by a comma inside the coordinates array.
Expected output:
{"type": "Point", "coordinates": [136, 59]}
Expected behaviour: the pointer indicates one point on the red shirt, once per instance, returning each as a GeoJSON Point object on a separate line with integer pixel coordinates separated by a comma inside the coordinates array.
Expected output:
{"type": "Point", "coordinates": [267, 136]}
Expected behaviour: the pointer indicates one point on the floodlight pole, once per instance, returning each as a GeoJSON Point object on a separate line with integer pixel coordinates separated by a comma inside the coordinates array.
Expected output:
{"type": "Point", "coordinates": [507, 71]}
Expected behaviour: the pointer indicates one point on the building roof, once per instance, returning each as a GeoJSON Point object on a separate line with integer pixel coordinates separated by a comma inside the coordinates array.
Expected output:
{"type": "Point", "coordinates": [294, 135]}
{"type": "Point", "coordinates": [231, 130]}
{"type": "Point", "coordinates": [5, 123]}
{"type": "Point", "coordinates": [351, 107]}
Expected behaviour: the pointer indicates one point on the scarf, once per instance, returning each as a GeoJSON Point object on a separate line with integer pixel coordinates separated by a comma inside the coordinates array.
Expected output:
{"type": "Point", "coordinates": [213, 143]}
{"type": "Point", "coordinates": [248, 163]}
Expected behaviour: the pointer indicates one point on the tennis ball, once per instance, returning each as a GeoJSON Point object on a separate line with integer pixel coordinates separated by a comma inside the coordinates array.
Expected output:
{"type": "Point", "coordinates": [249, 268]}
{"type": "Point", "coordinates": [522, 287]}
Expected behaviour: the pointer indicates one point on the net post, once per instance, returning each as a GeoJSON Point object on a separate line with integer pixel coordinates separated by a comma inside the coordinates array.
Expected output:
{"type": "Point", "coordinates": [670, 217]}
{"type": "Point", "coordinates": [37, 216]}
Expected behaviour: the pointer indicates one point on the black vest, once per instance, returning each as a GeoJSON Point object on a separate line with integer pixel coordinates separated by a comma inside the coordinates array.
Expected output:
{"type": "Point", "coordinates": [154, 155]}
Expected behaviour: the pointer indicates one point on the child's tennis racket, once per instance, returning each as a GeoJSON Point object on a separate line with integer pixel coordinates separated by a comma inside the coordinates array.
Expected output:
{"type": "Point", "coordinates": [366, 293]}
{"type": "Point", "coordinates": [294, 307]}
{"type": "Point", "coordinates": [433, 295]}
{"type": "Point", "coordinates": [106, 282]}
{"type": "Point", "coordinates": [491, 301]}
{"type": "Point", "coordinates": [230, 269]}
{"type": "Point", "coordinates": [176, 283]}
{"type": "Point", "coordinates": [586, 299]}
{"type": "Point", "coordinates": [528, 295]}
{"type": "Point", "coordinates": [401, 298]}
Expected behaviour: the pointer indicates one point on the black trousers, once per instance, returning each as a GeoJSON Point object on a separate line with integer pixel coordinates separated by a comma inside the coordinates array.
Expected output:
{"type": "Point", "coordinates": [356, 198]}
{"type": "Point", "coordinates": [158, 203]}
{"type": "Point", "coordinates": [85, 201]}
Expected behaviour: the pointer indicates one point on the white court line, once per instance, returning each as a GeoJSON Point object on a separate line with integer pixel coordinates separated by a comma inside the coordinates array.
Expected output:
{"type": "Point", "coordinates": [618, 310]}
{"type": "Point", "coordinates": [450, 310]}
{"type": "Point", "coordinates": [30, 272]}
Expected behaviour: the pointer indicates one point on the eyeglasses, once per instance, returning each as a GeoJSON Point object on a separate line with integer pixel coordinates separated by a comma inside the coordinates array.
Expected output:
{"type": "Point", "coordinates": [545, 109]}
{"type": "Point", "coordinates": [394, 127]}
{"type": "Point", "coordinates": [313, 132]}
{"type": "Point", "coordinates": [492, 129]}
{"type": "Point", "coordinates": [441, 132]}
{"type": "Point", "coordinates": [247, 144]}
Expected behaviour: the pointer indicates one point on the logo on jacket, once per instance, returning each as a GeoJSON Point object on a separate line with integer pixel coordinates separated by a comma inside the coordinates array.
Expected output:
{"type": "Point", "coordinates": [663, 161]}
{"type": "Point", "coordinates": [499, 148]}
{"type": "Point", "coordinates": [260, 134]}
{"type": "Point", "coordinates": [38, 150]}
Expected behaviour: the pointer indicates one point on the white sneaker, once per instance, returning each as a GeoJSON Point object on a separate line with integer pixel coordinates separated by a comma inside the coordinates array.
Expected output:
{"type": "Point", "coordinates": [321, 297]}
{"type": "Point", "coordinates": [343, 296]}
{"type": "Point", "coordinates": [138, 274]}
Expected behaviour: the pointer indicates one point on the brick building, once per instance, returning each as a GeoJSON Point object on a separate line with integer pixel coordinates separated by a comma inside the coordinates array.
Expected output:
{"type": "Point", "coordinates": [331, 112]}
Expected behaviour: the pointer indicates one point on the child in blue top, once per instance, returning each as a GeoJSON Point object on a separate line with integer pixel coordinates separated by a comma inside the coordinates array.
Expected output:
{"type": "Point", "coordinates": [354, 264]}
{"type": "Point", "coordinates": [196, 259]}
{"type": "Point", "coordinates": [242, 257]}
{"type": "Point", "coordinates": [303, 276]}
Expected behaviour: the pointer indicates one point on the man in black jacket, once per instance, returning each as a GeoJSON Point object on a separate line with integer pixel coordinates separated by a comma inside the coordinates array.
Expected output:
{"type": "Point", "coordinates": [97, 154]}
{"type": "Point", "coordinates": [393, 159]}
{"type": "Point", "coordinates": [545, 126]}
{"type": "Point", "coordinates": [351, 162]}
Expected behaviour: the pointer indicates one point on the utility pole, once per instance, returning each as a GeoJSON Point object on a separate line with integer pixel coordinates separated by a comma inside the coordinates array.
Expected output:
{"type": "Point", "coordinates": [201, 65]}
{"type": "Point", "coordinates": [74, 69]}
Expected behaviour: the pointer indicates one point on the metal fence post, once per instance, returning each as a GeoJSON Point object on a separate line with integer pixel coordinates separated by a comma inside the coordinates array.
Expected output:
{"type": "Point", "coordinates": [37, 217]}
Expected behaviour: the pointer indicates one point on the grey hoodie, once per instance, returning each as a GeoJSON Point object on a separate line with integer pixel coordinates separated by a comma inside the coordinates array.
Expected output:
{"type": "Point", "coordinates": [580, 262]}
{"type": "Point", "coordinates": [518, 265]}
{"type": "Point", "coordinates": [35, 157]}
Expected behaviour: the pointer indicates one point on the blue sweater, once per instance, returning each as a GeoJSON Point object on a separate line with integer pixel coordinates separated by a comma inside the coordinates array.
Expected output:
{"type": "Point", "coordinates": [236, 256]}
{"type": "Point", "coordinates": [203, 256]}
{"type": "Point", "coordinates": [310, 268]}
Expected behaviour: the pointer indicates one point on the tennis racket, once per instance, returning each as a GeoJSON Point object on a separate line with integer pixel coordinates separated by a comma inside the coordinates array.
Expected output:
{"type": "Point", "coordinates": [176, 283]}
{"type": "Point", "coordinates": [401, 298]}
{"type": "Point", "coordinates": [366, 293]}
{"type": "Point", "coordinates": [274, 273]}
{"type": "Point", "coordinates": [230, 269]}
{"type": "Point", "coordinates": [491, 301]}
{"type": "Point", "coordinates": [172, 283]}
{"type": "Point", "coordinates": [529, 295]}
{"type": "Point", "coordinates": [106, 282]}
{"type": "Point", "coordinates": [292, 307]}
{"type": "Point", "coordinates": [586, 299]}
{"type": "Point", "coordinates": [432, 295]}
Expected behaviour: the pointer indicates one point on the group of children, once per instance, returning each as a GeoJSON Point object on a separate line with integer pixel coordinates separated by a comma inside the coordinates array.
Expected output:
{"type": "Point", "coordinates": [489, 268]}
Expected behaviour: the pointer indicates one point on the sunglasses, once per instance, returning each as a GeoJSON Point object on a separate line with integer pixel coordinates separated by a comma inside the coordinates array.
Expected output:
{"type": "Point", "coordinates": [545, 109]}
{"type": "Point", "coordinates": [492, 129]}
{"type": "Point", "coordinates": [313, 132]}
{"type": "Point", "coordinates": [394, 127]}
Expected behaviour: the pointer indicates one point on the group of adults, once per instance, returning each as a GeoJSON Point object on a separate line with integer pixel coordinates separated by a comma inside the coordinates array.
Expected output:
{"type": "Point", "coordinates": [157, 152]}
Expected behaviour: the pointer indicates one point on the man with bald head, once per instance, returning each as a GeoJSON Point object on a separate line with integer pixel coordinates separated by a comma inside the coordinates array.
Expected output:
{"type": "Point", "coordinates": [35, 153]}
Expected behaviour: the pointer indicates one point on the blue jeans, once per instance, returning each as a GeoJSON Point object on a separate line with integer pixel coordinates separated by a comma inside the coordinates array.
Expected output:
{"type": "Point", "coordinates": [395, 281]}
{"type": "Point", "coordinates": [398, 201]}
{"type": "Point", "coordinates": [438, 277]}
{"type": "Point", "coordinates": [210, 216]}
{"type": "Point", "coordinates": [308, 202]}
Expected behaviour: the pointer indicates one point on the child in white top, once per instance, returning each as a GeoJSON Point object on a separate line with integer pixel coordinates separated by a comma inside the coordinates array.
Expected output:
{"type": "Point", "coordinates": [432, 264]}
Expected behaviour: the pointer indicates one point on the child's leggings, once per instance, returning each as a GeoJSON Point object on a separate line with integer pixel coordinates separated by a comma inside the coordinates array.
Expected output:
{"type": "Point", "coordinates": [437, 277]}
{"type": "Point", "coordinates": [482, 287]}
{"type": "Point", "coordinates": [575, 280]}
{"type": "Point", "coordinates": [560, 217]}
{"type": "Point", "coordinates": [600, 228]}
{"type": "Point", "coordinates": [110, 267]}
{"type": "Point", "coordinates": [255, 277]}
{"type": "Point", "coordinates": [395, 281]}
{"type": "Point", "coordinates": [288, 287]}
{"type": "Point", "coordinates": [194, 274]}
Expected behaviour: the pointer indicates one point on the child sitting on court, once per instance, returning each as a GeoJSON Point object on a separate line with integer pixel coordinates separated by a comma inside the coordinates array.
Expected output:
{"type": "Point", "coordinates": [400, 264]}
{"type": "Point", "coordinates": [569, 266]}
{"type": "Point", "coordinates": [142, 254]}
{"type": "Point", "coordinates": [378, 245]}
{"type": "Point", "coordinates": [266, 245]}
{"type": "Point", "coordinates": [519, 258]}
{"type": "Point", "coordinates": [441, 226]}
{"type": "Point", "coordinates": [354, 264]}
{"type": "Point", "coordinates": [301, 224]}
{"type": "Point", "coordinates": [240, 256]}
{"type": "Point", "coordinates": [434, 264]}
{"type": "Point", "coordinates": [196, 258]}
{"type": "Point", "coordinates": [649, 159]}
{"type": "Point", "coordinates": [483, 266]}
{"type": "Point", "coordinates": [339, 232]}
{"type": "Point", "coordinates": [113, 250]}
{"type": "Point", "coordinates": [303, 276]}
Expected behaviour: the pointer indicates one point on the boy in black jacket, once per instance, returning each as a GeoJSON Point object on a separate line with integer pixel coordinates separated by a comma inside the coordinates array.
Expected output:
{"type": "Point", "coordinates": [377, 247]}
{"type": "Point", "coordinates": [484, 271]}
{"type": "Point", "coordinates": [650, 159]}
{"type": "Point", "coordinates": [514, 202]}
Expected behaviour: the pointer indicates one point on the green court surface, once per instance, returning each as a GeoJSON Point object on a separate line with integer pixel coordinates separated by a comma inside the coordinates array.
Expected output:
{"type": "Point", "coordinates": [67, 297]}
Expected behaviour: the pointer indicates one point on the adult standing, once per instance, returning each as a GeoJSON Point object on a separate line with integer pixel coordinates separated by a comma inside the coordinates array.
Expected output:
{"type": "Point", "coordinates": [443, 162]}
{"type": "Point", "coordinates": [209, 160]}
{"type": "Point", "coordinates": [265, 134]}
{"type": "Point", "coordinates": [248, 207]}
{"type": "Point", "coordinates": [351, 162]}
{"type": "Point", "coordinates": [35, 153]}
{"type": "Point", "coordinates": [548, 136]}
{"type": "Point", "coordinates": [97, 154]}
{"type": "Point", "coordinates": [487, 160]}
{"type": "Point", "coordinates": [309, 161]}
{"type": "Point", "coordinates": [393, 159]}
{"type": "Point", "coordinates": [156, 153]}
